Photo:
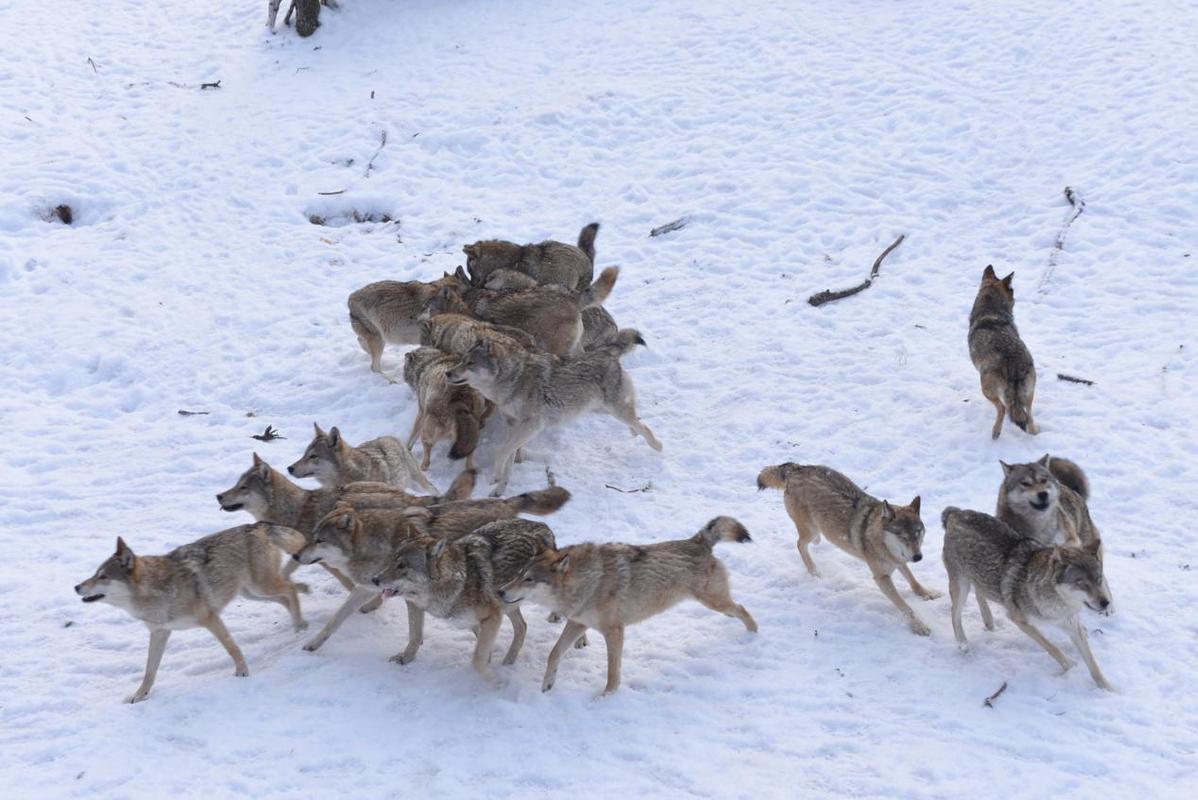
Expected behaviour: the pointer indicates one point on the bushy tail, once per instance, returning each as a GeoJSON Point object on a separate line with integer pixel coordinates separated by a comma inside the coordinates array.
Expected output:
{"type": "Point", "coordinates": [947, 514]}
{"type": "Point", "coordinates": [623, 343]}
{"type": "Point", "coordinates": [542, 501]}
{"type": "Point", "coordinates": [1070, 474]}
{"type": "Point", "coordinates": [775, 477]}
{"type": "Point", "coordinates": [597, 292]}
{"type": "Point", "coordinates": [466, 427]}
{"type": "Point", "coordinates": [586, 240]}
{"type": "Point", "coordinates": [722, 529]}
{"type": "Point", "coordinates": [462, 486]}
{"type": "Point", "coordinates": [1016, 401]}
{"type": "Point", "coordinates": [289, 540]}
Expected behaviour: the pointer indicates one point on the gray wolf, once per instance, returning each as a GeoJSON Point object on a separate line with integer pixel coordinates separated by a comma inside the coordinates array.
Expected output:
{"type": "Point", "coordinates": [332, 461]}
{"type": "Point", "coordinates": [535, 391]}
{"type": "Point", "coordinates": [307, 14]}
{"type": "Point", "coordinates": [458, 580]}
{"type": "Point", "coordinates": [387, 312]}
{"type": "Point", "coordinates": [1033, 582]}
{"type": "Point", "coordinates": [598, 325]}
{"type": "Point", "coordinates": [821, 500]}
{"type": "Point", "coordinates": [610, 586]}
{"type": "Point", "coordinates": [1002, 359]}
{"type": "Point", "coordinates": [189, 586]}
{"type": "Point", "coordinates": [457, 333]}
{"type": "Point", "coordinates": [548, 262]}
{"type": "Point", "coordinates": [443, 411]}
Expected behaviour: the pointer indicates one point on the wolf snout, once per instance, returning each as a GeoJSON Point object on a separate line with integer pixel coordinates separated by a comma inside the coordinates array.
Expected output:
{"type": "Point", "coordinates": [376, 581]}
{"type": "Point", "coordinates": [917, 557]}
{"type": "Point", "coordinates": [1042, 497]}
{"type": "Point", "coordinates": [291, 469]}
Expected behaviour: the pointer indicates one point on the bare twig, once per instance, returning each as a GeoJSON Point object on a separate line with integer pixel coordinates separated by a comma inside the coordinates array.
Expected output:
{"type": "Point", "coordinates": [644, 488]}
{"type": "Point", "coordinates": [210, 85]}
{"type": "Point", "coordinates": [1071, 379]}
{"type": "Point", "coordinates": [329, 194]}
{"type": "Point", "coordinates": [1079, 205]}
{"type": "Point", "coordinates": [550, 477]}
{"type": "Point", "coordinates": [268, 435]}
{"type": "Point", "coordinates": [670, 227]}
{"type": "Point", "coordinates": [93, 63]}
{"type": "Point", "coordinates": [183, 412]}
{"type": "Point", "coordinates": [827, 296]}
{"type": "Point", "coordinates": [370, 164]}
{"type": "Point", "coordinates": [989, 701]}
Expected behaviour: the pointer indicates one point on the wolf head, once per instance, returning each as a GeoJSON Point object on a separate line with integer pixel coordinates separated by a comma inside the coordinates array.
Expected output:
{"type": "Point", "coordinates": [902, 530]}
{"type": "Point", "coordinates": [478, 368]}
{"type": "Point", "coordinates": [546, 571]}
{"type": "Point", "coordinates": [1030, 490]}
{"type": "Point", "coordinates": [1079, 579]}
{"type": "Point", "coordinates": [113, 581]}
{"type": "Point", "coordinates": [484, 257]}
{"type": "Point", "coordinates": [332, 540]}
{"type": "Point", "coordinates": [996, 292]}
{"type": "Point", "coordinates": [253, 491]}
{"type": "Point", "coordinates": [323, 459]}
{"type": "Point", "coordinates": [411, 569]}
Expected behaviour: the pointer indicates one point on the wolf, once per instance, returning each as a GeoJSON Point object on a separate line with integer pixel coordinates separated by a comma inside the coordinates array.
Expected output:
{"type": "Point", "coordinates": [456, 333]}
{"type": "Point", "coordinates": [1002, 359]}
{"type": "Point", "coordinates": [443, 411]}
{"type": "Point", "coordinates": [307, 14]}
{"type": "Point", "coordinates": [387, 312]}
{"type": "Point", "coordinates": [456, 518]}
{"type": "Point", "coordinates": [332, 461]}
{"type": "Point", "coordinates": [611, 586]}
{"type": "Point", "coordinates": [821, 500]}
{"type": "Point", "coordinates": [598, 327]}
{"type": "Point", "coordinates": [189, 586]}
{"type": "Point", "coordinates": [535, 391]}
{"type": "Point", "coordinates": [458, 579]}
{"type": "Point", "coordinates": [1033, 582]}
{"type": "Point", "coordinates": [548, 262]}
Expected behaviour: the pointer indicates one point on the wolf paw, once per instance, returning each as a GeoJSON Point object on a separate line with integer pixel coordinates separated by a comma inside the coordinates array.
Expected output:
{"type": "Point", "coordinates": [1068, 665]}
{"type": "Point", "coordinates": [313, 645]}
{"type": "Point", "coordinates": [581, 642]}
{"type": "Point", "coordinates": [138, 696]}
{"type": "Point", "coordinates": [403, 658]}
{"type": "Point", "coordinates": [919, 629]}
{"type": "Point", "coordinates": [928, 594]}
{"type": "Point", "coordinates": [371, 605]}
{"type": "Point", "coordinates": [963, 648]}
{"type": "Point", "coordinates": [241, 672]}
{"type": "Point", "coordinates": [302, 625]}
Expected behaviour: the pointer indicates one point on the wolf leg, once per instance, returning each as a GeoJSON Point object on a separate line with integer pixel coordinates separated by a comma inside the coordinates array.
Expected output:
{"type": "Point", "coordinates": [158, 639]}
{"type": "Point", "coordinates": [571, 633]}
{"type": "Point", "coordinates": [488, 630]}
{"type": "Point", "coordinates": [357, 598]}
{"type": "Point", "coordinates": [1077, 633]}
{"type": "Point", "coordinates": [887, 586]}
{"type": "Point", "coordinates": [217, 628]}
{"type": "Point", "coordinates": [1048, 646]}
{"type": "Point", "coordinates": [916, 586]}
{"type": "Point", "coordinates": [717, 595]}
{"type": "Point", "coordinates": [992, 389]}
{"type": "Point", "coordinates": [519, 629]}
{"type": "Point", "coordinates": [958, 592]}
{"type": "Point", "coordinates": [613, 637]}
{"type": "Point", "coordinates": [415, 635]}
{"type": "Point", "coordinates": [808, 533]}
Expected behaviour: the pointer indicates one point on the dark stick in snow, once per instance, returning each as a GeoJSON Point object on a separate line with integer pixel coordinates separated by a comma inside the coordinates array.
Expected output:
{"type": "Point", "coordinates": [1079, 205]}
{"type": "Point", "coordinates": [827, 296]}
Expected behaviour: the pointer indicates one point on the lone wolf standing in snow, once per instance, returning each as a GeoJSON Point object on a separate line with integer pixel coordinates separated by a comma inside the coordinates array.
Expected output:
{"type": "Point", "coordinates": [821, 500]}
{"type": "Point", "coordinates": [1002, 359]}
{"type": "Point", "coordinates": [1032, 581]}
{"type": "Point", "coordinates": [188, 587]}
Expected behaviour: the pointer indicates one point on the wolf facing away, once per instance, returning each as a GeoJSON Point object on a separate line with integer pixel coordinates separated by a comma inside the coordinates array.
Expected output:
{"type": "Point", "coordinates": [821, 500]}
{"type": "Point", "coordinates": [387, 312]}
{"type": "Point", "coordinates": [332, 461]}
{"type": "Point", "coordinates": [611, 586]}
{"type": "Point", "coordinates": [1033, 582]}
{"type": "Point", "coordinates": [535, 391]}
{"type": "Point", "coordinates": [549, 262]}
{"type": "Point", "coordinates": [458, 579]}
{"type": "Point", "coordinates": [189, 587]}
{"type": "Point", "coordinates": [1003, 361]}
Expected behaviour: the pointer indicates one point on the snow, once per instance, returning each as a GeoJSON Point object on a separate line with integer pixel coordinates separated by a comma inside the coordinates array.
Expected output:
{"type": "Point", "coordinates": [801, 139]}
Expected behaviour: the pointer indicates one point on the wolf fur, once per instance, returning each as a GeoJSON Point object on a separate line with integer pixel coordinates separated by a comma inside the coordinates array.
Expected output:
{"type": "Point", "coordinates": [1003, 361]}
{"type": "Point", "coordinates": [821, 500]}
{"type": "Point", "coordinates": [332, 461]}
{"type": "Point", "coordinates": [1033, 582]}
{"type": "Point", "coordinates": [387, 312]}
{"type": "Point", "coordinates": [535, 391]}
{"type": "Point", "coordinates": [189, 586]}
{"type": "Point", "coordinates": [443, 411]}
{"type": "Point", "coordinates": [610, 586]}
{"type": "Point", "coordinates": [548, 262]}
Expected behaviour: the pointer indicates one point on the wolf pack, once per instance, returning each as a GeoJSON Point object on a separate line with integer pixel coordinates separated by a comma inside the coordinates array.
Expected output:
{"type": "Point", "coordinates": [518, 341]}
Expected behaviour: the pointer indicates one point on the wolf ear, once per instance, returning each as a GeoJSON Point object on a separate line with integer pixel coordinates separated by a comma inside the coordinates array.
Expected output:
{"type": "Point", "coordinates": [1006, 282]}
{"type": "Point", "coordinates": [260, 467]}
{"type": "Point", "coordinates": [124, 555]}
{"type": "Point", "coordinates": [989, 272]}
{"type": "Point", "coordinates": [334, 436]}
{"type": "Point", "coordinates": [437, 548]}
{"type": "Point", "coordinates": [460, 274]}
{"type": "Point", "coordinates": [257, 461]}
{"type": "Point", "coordinates": [915, 504]}
{"type": "Point", "coordinates": [563, 564]}
{"type": "Point", "coordinates": [1006, 468]}
{"type": "Point", "coordinates": [345, 521]}
{"type": "Point", "coordinates": [1045, 461]}
{"type": "Point", "coordinates": [1093, 548]}
{"type": "Point", "coordinates": [319, 433]}
{"type": "Point", "coordinates": [887, 511]}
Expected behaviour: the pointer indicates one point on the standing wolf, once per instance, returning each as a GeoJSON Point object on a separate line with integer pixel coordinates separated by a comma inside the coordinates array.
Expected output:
{"type": "Point", "coordinates": [1046, 501]}
{"type": "Point", "coordinates": [1002, 359]}
{"type": "Point", "coordinates": [821, 500]}
{"type": "Point", "coordinates": [610, 586]}
{"type": "Point", "coordinates": [332, 461]}
{"type": "Point", "coordinates": [189, 586]}
{"type": "Point", "coordinates": [548, 262]}
{"type": "Point", "coordinates": [1032, 581]}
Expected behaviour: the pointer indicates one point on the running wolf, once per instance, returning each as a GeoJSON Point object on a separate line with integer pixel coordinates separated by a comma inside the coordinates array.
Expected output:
{"type": "Point", "coordinates": [332, 461]}
{"type": "Point", "coordinates": [1002, 359]}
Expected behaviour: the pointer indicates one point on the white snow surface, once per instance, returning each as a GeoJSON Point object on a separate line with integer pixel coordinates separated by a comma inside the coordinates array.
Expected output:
{"type": "Point", "coordinates": [800, 138]}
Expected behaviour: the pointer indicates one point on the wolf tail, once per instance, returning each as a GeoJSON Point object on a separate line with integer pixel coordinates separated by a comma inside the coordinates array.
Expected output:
{"type": "Point", "coordinates": [1070, 474]}
{"type": "Point", "coordinates": [586, 240]}
{"type": "Point", "coordinates": [542, 501]}
{"type": "Point", "coordinates": [597, 292]}
{"type": "Point", "coordinates": [1016, 400]}
{"type": "Point", "coordinates": [947, 515]}
{"type": "Point", "coordinates": [623, 343]}
{"type": "Point", "coordinates": [722, 529]}
{"type": "Point", "coordinates": [775, 477]}
{"type": "Point", "coordinates": [462, 486]}
{"type": "Point", "coordinates": [289, 540]}
{"type": "Point", "coordinates": [467, 428]}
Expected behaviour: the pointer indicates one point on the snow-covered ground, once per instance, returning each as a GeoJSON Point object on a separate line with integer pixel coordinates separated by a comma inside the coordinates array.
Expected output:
{"type": "Point", "coordinates": [800, 138]}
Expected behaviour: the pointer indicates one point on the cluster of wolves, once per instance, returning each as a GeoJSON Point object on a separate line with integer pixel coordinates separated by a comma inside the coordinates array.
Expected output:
{"type": "Point", "coordinates": [520, 337]}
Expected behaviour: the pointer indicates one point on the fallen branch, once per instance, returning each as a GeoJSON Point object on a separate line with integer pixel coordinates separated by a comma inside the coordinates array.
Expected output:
{"type": "Point", "coordinates": [670, 227]}
{"type": "Point", "coordinates": [268, 435]}
{"type": "Point", "coordinates": [1079, 205]}
{"type": "Point", "coordinates": [370, 164]}
{"type": "Point", "coordinates": [1071, 379]}
{"type": "Point", "coordinates": [210, 85]}
{"type": "Point", "coordinates": [185, 413]}
{"type": "Point", "coordinates": [644, 488]}
{"type": "Point", "coordinates": [827, 296]}
{"type": "Point", "coordinates": [989, 701]}
{"type": "Point", "coordinates": [329, 194]}
{"type": "Point", "coordinates": [93, 63]}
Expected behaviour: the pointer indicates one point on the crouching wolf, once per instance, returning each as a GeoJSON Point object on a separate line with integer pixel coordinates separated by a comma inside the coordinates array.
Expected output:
{"type": "Point", "coordinates": [535, 391]}
{"type": "Point", "coordinates": [611, 586]}
{"type": "Point", "coordinates": [548, 262]}
{"type": "Point", "coordinates": [332, 461]}
{"type": "Point", "coordinates": [1002, 359]}
{"type": "Point", "coordinates": [189, 586]}
{"type": "Point", "coordinates": [821, 500]}
{"type": "Point", "coordinates": [1033, 582]}
{"type": "Point", "coordinates": [459, 579]}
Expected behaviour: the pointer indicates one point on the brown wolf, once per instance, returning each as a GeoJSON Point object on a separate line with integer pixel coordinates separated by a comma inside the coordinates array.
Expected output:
{"type": "Point", "coordinates": [443, 411]}
{"type": "Point", "coordinates": [332, 461]}
{"type": "Point", "coordinates": [548, 262]}
{"type": "Point", "coordinates": [387, 312]}
{"type": "Point", "coordinates": [1002, 359]}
